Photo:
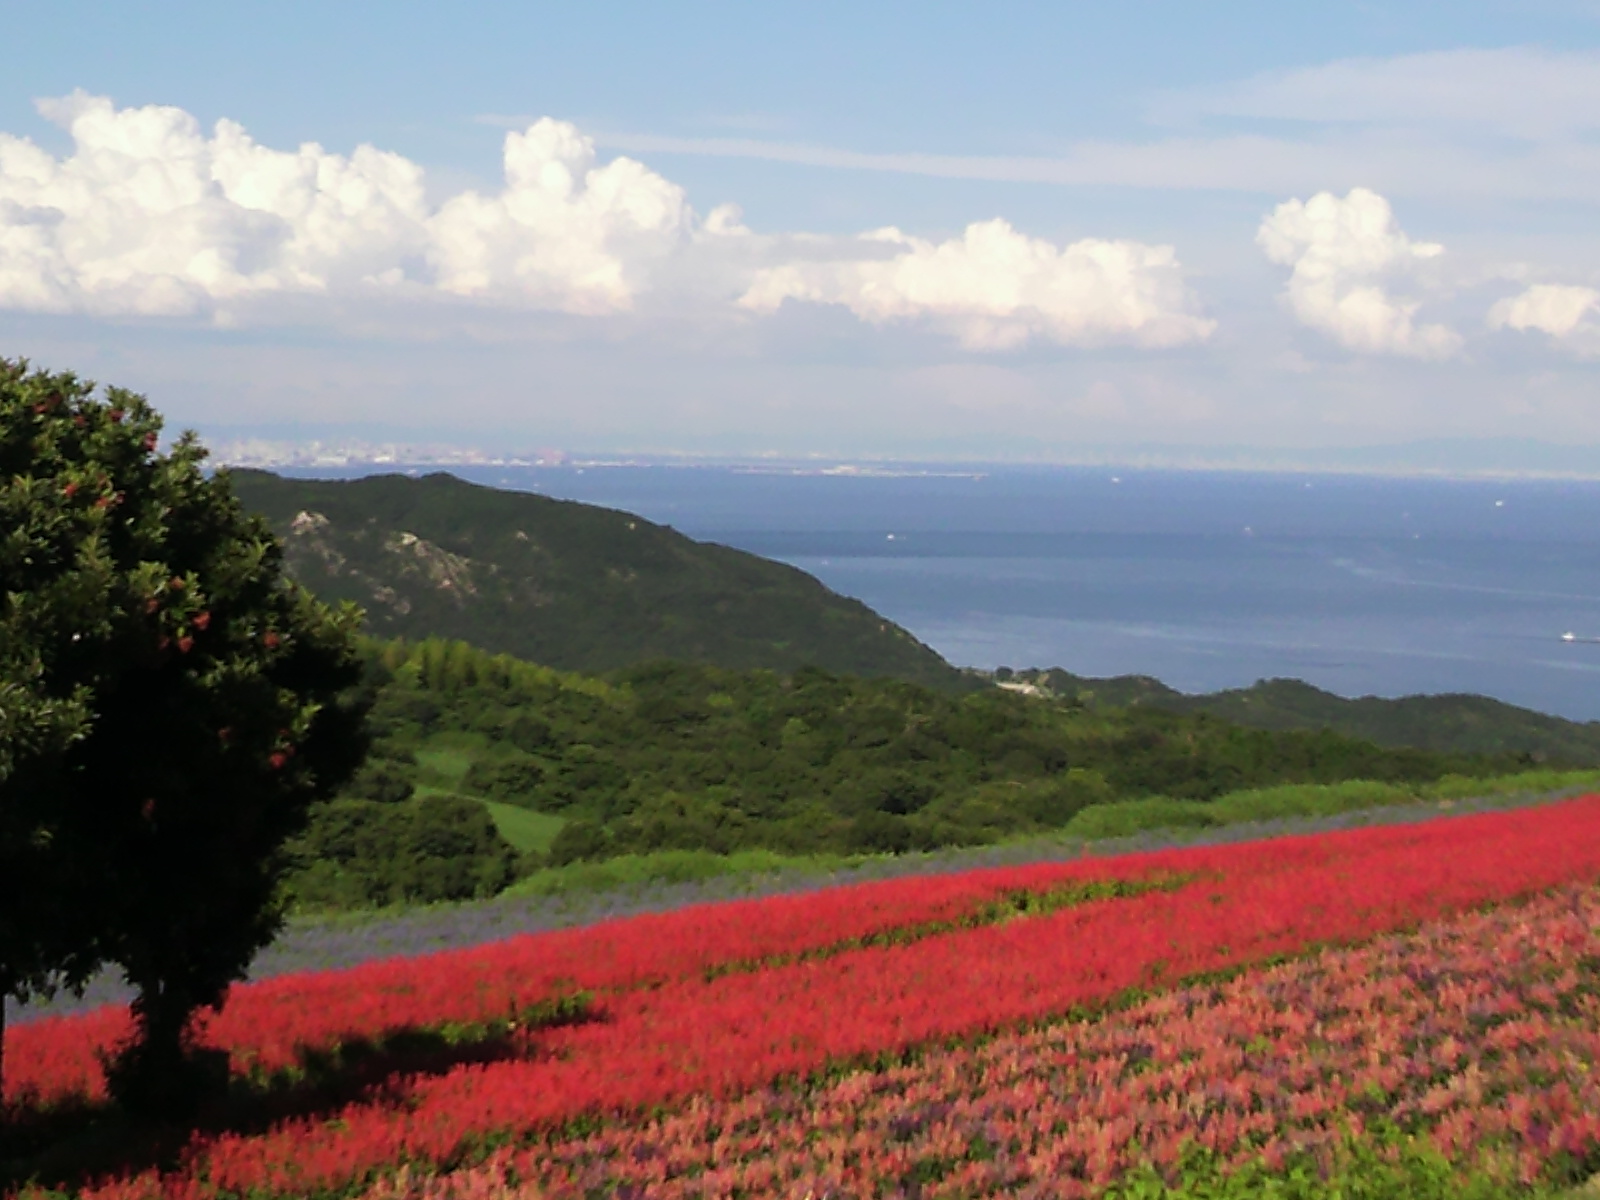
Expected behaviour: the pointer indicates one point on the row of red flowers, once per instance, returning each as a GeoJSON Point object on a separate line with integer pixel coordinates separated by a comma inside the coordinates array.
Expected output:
{"type": "Point", "coordinates": [1480, 1033]}
{"type": "Point", "coordinates": [269, 1026]}
{"type": "Point", "coordinates": [721, 1036]}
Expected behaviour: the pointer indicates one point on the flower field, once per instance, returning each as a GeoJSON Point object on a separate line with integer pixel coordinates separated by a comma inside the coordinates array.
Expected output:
{"type": "Point", "coordinates": [1480, 1030]}
{"type": "Point", "coordinates": [704, 1010]}
{"type": "Point", "coordinates": [268, 1027]}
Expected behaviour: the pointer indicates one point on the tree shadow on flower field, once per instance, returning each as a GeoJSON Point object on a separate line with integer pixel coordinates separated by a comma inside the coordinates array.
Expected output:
{"type": "Point", "coordinates": [68, 1144]}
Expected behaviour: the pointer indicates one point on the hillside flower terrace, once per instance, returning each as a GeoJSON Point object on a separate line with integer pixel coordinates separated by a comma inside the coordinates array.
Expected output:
{"type": "Point", "coordinates": [701, 1012]}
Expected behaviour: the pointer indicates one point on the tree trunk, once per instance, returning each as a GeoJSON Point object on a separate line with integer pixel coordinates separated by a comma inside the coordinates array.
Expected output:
{"type": "Point", "coordinates": [162, 1074]}
{"type": "Point", "coordinates": [162, 1021]}
{"type": "Point", "coordinates": [149, 1077]}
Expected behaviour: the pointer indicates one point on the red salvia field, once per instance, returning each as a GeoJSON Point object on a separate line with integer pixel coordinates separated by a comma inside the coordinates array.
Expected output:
{"type": "Point", "coordinates": [713, 1014]}
{"type": "Point", "coordinates": [1479, 1029]}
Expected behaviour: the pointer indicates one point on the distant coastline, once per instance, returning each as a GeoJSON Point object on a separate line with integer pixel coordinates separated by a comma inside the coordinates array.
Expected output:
{"type": "Point", "coordinates": [1460, 459]}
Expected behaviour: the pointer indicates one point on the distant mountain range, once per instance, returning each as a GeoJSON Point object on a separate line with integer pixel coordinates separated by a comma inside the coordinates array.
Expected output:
{"type": "Point", "coordinates": [565, 584]}
{"type": "Point", "coordinates": [1460, 724]}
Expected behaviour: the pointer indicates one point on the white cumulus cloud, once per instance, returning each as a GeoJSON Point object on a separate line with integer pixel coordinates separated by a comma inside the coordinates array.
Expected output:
{"type": "Point", "coordinates": [147, 213]}
{"type": "Point", "coordinates": [151, 214]}
{"type": "Point", "coordinates": [1566, 312]}
{"type": "Point", "coordinates": [564, 230]}
{"type": "Point", "coordinates": [1342, 253]}
{"type": "Point", "coordinates": [994, 288]}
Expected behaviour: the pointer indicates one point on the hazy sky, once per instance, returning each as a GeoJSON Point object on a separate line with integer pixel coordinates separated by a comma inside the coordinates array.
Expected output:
{"type": "Point", "coordinates": [985, 229]}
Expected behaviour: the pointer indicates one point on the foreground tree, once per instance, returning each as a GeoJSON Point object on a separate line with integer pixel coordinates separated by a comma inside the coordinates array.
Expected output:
{"type": "Point", "coordinates": [195, 705]}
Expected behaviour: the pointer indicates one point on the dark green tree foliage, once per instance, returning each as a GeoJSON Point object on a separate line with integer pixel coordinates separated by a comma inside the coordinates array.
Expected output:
{"type": "Point", "coordinates": [507, 779]}
{"type": "Point", "coordinates": [579, 841]}
{"type": "Point", "coordinates": [385, 780]}
{"type": "Point", "coordinates": [45, 938]}
{"type": "Point", "coordinates": [669, 756]}
{"type": "Point", "coordinates": [196, 695]}
{"type": "Point", "coordinates": [361, 853]}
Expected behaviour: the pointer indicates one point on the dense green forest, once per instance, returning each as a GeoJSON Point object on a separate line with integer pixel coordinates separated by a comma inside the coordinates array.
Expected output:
{"type": "Point", "coordinates": [470, 746]}
{"type": "Point", "coordinates": [1462, 724]}
{"type": "Point", "coordinates": [573, 585]}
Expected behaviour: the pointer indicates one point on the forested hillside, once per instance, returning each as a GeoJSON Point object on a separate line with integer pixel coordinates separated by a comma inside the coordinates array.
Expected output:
{"type": "Point", "coordinates": [567, 584]}
{"type": "Point", "coordinates": [472, 747]}
{"type": "Point", "coordinates": [1454, 724]}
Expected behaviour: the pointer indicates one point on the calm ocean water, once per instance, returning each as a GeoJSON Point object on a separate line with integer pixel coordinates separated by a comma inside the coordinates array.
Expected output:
{"type": "Point", "coordinates": [1204, 580]}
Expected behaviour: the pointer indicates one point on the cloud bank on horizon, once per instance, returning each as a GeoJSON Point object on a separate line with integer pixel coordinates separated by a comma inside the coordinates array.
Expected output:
{"type": "Point", "coordinates": [995, 289]}
{"type": "Point", "coordinates": [149, 215]}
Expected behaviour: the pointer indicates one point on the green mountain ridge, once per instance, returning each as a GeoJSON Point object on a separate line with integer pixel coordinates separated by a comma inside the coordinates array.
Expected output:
{"type": "Point", "coordinates": [569, 585]}
{"type": "Point", "coordinates": [1452, 723]}
{"type": "Point", "coordinates": [583, 588]}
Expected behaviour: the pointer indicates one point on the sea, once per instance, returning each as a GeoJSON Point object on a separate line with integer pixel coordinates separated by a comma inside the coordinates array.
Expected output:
{"type": "Point", "coordinates": [1362, 585]}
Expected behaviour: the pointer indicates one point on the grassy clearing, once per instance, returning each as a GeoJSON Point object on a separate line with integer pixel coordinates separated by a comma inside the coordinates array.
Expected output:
{"type": "Point", "coordinates": [524, 828]}
{"type": "Point", "coordinates": [444, 761]}
{"type": "Point", "coordinates": [445, 758]}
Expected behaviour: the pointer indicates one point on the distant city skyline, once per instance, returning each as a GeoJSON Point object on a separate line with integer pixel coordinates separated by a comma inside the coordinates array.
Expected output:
{"type": "Point", "coordinates": [1018, 231]}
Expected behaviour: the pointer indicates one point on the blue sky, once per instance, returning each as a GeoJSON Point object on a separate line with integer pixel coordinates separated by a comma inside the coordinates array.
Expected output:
{"type": "Point", "coordinates": [978, 230]}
